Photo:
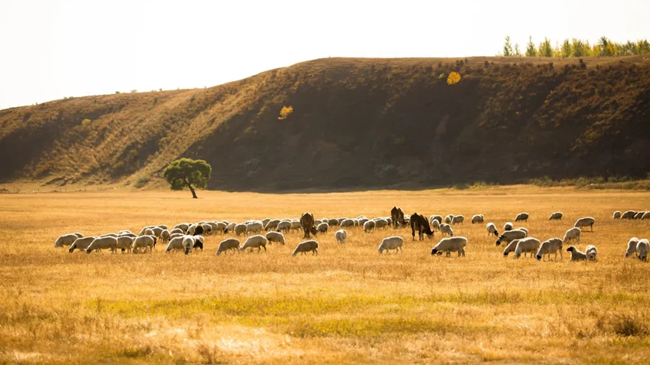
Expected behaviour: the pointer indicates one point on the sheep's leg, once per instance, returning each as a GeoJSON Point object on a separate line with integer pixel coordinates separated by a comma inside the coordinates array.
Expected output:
{"type": "Point", "coordinates": [413, 232]}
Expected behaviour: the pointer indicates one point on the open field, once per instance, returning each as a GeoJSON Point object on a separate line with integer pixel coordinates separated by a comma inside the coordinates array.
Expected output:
{"type": "Point", "coordinates": [347, 305]}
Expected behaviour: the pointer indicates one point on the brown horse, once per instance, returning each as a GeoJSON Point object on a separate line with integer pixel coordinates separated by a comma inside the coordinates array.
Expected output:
{"type": "Point", "coordinates": [421, 223]}
{"type": "Point", "coordinates": [397, 216]}
{"type": "Point", "coordinates": [307, 223]}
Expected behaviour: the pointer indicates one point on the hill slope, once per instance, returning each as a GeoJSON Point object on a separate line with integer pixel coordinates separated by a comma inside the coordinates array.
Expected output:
{"type": "Point", "coordinates": [357, 123]}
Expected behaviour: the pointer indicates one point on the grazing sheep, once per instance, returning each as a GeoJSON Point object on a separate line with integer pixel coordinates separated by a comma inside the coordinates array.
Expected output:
{"type": "Point", "coordinates": [199, 241]}
{"type": "Point", "coordinates": [114, 235]}
{"type": "Point", "coordinates": [81, 243]}
{"type": "Point", "coordinates": [284, 227]}
{"type": "Point", "coordinates": [527, 245]}
{"type": "Point", "coordinates": [435, 218]}
{"type": "Point", "coordinates": [638, 215]}
{"type": "Point", "coordinates": [265, 221]}
{"type": "Point", "coordinates": [219, 227]}
{"type": "Point", "coordinates": [585, 222]}
{"type": "Point", "coordinates": [477, 218]}
{"type": "Point", "coordinates": [508, 226]}
{"type": "Point", "coordinates": [176, 230]}
{"type": "Point", "coordinates": [275, 237]}
{"type": "Point", "coordinates": [458, 219]}
{"type": "Point", "coordinates": [172, 236]}
{"type": "Point", "coordinates": [576, 255]}
{"type": "Point", "coordinates": [449, 245]}
{"type": "Point", "coordinates": [391, 243]}
{"type": "Point", "coordinates": [628, 214]}
{"type": "Point", "coordinates": [572, 234]}
{"type": "Point", "coordinates": [229, 244]}
{"type": "Point", "coordinates": [642, 249]}
{"type": "Point", "coordinates": [307, 224]}
{"type": "Point", "coordinates": [363, 221]}
{"type": "Point", "coordinates": [380, 223]}
{"type": "Point", "coordinates": [240, 229]}
{"type": "Point", "coordinates": [183, 226]}
{"type": "Point", "coordinates": [66, 240]}
{"type": "Point", "coordinates": [144, 242]}
{"type": "Point", "coordinates": [347, 223]}
{"type": "Point", "coordinates": [508, 236]}
{"type": "Point", "coordinates": [254, 227]}
{"type": "Point", "coordinates": [449, 218]}
{"type": "Point", "coordinates": [230, 227]}
{"type": "Point", "coordinates": [132, 235]}
{"type": "Point", "coordinates": [446, 229]}
{"type": "Point", "coordinates": [631, 246]}
{"type": "Point", "coordinates": [307, 246]}
{"type": "Point", "coordinates": [617, 214]}
{"type": "Point", "coordinates": [188, 243]}
{"type": "Point", "coordinates": [79, 235]}
{"type": "Point", "coordinates": [524, 229]}
{"type": "Point", "coordinates": [368, 226]}
{"type": "Point", "coordinates": [521, 217]}
{"type": "Point", "coordinates": [257, 241]}
{"type": "Point", "coordinates": [164, 236]}
{"type": "Point", "coordinates": [322, 228]}
{"type": "Point", "coordinates": [341, 235]}
{"type": "Point", "coordinates": [646, 215]}
{"type": "Point", "coordinates": [510, 247]}
{"type": "Point", "coordinates": [157, 231]}
{"type": "Point", "coordinates": [557, 216]}
{"type": "Point", "coordinates": [295, 225]}
{"type": "Point", "coordinates": [591, 251]}
{"type": "Point", "coordinates": [551, 245]}
{"type": "Point", "coordinates": [435, 225]}
{"type": "Point", "coordinates": [162, 226]}
{"type": "Point", "coordinates": [333, 222]}
{"type": "Point", "coordinates": [207, 228]}
{"type": "Point", "coordinates": [272, 225]}
{"type": "Point", "coordinates": [397, 217]}
{"type": "Point", "coordinates": [492, 229]}
{"type": "Point", "coordinates": [103, 243]}
{"type": "Point", "coordinates": [175, 243]}
{"type": "Point", "coordinates": [124, 243]}
{"type": "Point", "coordinates": [124, 232]}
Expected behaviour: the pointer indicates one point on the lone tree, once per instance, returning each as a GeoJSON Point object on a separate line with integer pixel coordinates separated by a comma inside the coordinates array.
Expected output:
{"type": "Point", "coordinates": [186, 172]}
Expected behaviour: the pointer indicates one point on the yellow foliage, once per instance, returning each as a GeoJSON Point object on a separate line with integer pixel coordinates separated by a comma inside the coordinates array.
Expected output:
{"type": "Point", "coordinates": [285, 112]}
{"type": "Point", "coordinates": [454, 78]}
{"type": "Point", "coordinates": [85, 122]}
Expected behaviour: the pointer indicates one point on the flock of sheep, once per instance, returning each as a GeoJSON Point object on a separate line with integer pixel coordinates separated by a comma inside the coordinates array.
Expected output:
{"type": "Point", "coordinates": [188, 237]}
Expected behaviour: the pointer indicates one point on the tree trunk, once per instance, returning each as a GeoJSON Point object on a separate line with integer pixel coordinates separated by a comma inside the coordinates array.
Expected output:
{"type": "Point", "coordinates": [191, 189]}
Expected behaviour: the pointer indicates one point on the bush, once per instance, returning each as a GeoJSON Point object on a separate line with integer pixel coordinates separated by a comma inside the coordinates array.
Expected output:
{"type": "Point", "coordinates": [86, 122]}
{"type": "Point", "coordinates": [628, 326]}
{"type": "Point", "coordinates": [141, 182]}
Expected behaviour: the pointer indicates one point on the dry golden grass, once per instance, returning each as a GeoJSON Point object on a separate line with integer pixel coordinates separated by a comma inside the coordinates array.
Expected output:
{"type": "Point", "coordinates": [347, 305]}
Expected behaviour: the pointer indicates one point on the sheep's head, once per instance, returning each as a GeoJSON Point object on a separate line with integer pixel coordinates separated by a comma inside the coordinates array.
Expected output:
{"type": "Point", "coordinates": [198, 245]}
{"type": "Point", "coordinates": [499, 242]}
{"type": "Point", "coordinates": [570, 249]}
{"type": "Point", "coordinates": [538, 257]}
{"type": "Point", "coordinates": [71, 250]}
{"type": "Point", "coordinates": [434, 251]}
{"type": "Point", "coordinates": [313, 231]}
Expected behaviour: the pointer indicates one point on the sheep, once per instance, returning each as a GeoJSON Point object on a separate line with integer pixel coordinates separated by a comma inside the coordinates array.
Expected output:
{"type": "Point", "coordinates": [449, 245]}
{"type": "Point", "coordinates": [445, 229]}
{"type": "Point", "coordinates": [176, 230]}
{"type": "Point", "coordinates": [207, 228]}
{"type": "Point", "coordinates": [368, 226]}
{"type": "Point", "coordinates": [591, 251]}
{"type": "Point", "coordinates": [254, 227]}
{"type": "Point", "coordinates": [124, 232]}
{"type": "Point", "coordinates": [183, 226]}
{"type": "Point", "coordinates": [219, 227]}
{"type": "Point", "coordinates": [631, 246]}
{"type": "Point", "coordinates": [628, 214]}
{"type": "Point", "coordinates": [230, 227]}
{"type": "Point", "coordinates": [551, 245]}
{"type": "Point", "coordinates": [645, 216]}
{"type": "Point", "coordinates": [175, 243]}
{"type": "Point", "coordinates": [240, 229]}
{"type": "Point", "coordinates": [391, 243]}
{"type": "Point", "coordinates": [347, 223]}
{"type": "Point", "coordinates": [66, 240]}
{"type": "Point", "coordinates": [81, 243]}
{"type": "Point", "coordinates": [638, 215]}
{"type": "Point", "coordinates": [478, 218]}
{"type": "Point", "coordinates": [381, 223]}
{"type": "Point", "coordinates": [449, 218]}
{"type": "Point", "coordinates": [172, 236]}
{"type": "Point", "coordinates": [147, 232]}
{"type": "Point", "coordinates": [275, 237]}
{"type": "Point", "coordinates": [265, 221]}
{"type": "Point", "coordinates": [295, 225]}
{"type": "Point", "coordinates": [341, 235]}
{"type": "Point", "coordinates": [557, 216]}
{"type": "Point", "coordinates": [132, 235]}
{"type": "Point", "coordinates": [229, 244]}
{"type": "Point", "coordinates": [363, 221]}
{"type": "Point", "coordinates": [102, 243]}
{"type": "Point", "coordinates": [508, 236]}
{"type": "Point", "coordinates": [617, 214]}
{"type": "Point", "coordinates": [145, 242]}
{"type": "Point", "coordinates": [162, 226]}
{"type": "Point", "coordinates": [164, 236]}
{"type": "Point", "coordinates": [527, 245]}
{"type": "Point", "coordinates": [284, 226]}
{"type": "Point", "coordinates": [572, 234]}
{"type": "Point", "coordinates": [435, 225]}
{"type": "Point", "coordinates": [492, 229]}
{"type": "Point", "coordinates": [524, 229]}
{"type": "Point", "coordinates": [322, 228]}
{"type": "Point", "coordinates": [333, 222]}
{"type": "Point", "coordinates": [199, 241]}
{"type": "Point", "coordinates": [114, 235]}
{"type": "Point", "coordinates": [510, 247]}
{"type": "Point", "coordinates": [508, 226]}
{"type": "Point", "coordinates": [157, 231]}
{"type": "Point", "coordinates": [585, 222]}
{"type": "Point", "coordinates": [251, 242]}
{"type": "Point", "coordinates": [307, 246]}
{"type": "Point", "coordinates": [188, 243]}
{"type": "Point", "coordinates": [195, 230]}
{"type": "Point", "coordinates": [124, 243]}
{"type": "Point", "coordinates": [642, 249]}
{"type": "Point", "coordinates": [271, 225]}
{"type": "Point", "coordinates": [435, 218]}
{"type": "Point", "coordinates": [457, 219]}
{"type": "Point", "coordinates": [79, 235]}
{"type": "Point", "coordinates": [576, 255]}
{"type": "Point", "coordinates": [522, 217]}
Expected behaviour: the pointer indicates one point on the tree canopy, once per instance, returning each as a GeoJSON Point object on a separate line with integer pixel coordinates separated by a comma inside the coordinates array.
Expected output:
{"type": "Point", "coordinates": [189, 173]}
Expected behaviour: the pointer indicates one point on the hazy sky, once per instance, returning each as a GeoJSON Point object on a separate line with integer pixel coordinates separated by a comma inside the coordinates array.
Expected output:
{"type": "Point", "coordinates": [50, 49]}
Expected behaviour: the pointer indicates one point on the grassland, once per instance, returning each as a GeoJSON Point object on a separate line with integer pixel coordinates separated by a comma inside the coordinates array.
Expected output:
{"type": "Point", "coordinates": [347, 305]}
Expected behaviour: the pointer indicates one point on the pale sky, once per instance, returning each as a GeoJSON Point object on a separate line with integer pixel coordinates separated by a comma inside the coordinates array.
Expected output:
{"type": "Point", "coordinates": [50, 49]}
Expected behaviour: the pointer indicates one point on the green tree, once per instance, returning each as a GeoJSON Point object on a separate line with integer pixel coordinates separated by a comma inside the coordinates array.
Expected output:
{"type": "Point", "coordinates": [531, 50]}
{"type": "Point", "coordinates": [186, 172]}
{"type": "Point", "coordinates": [605, 47]}
{"type": "Point", "coordinates": [517, 50]}
{"type": "Point", "coordinates": [507, 48]}
{"type": "Point", "coordinates": [567, 49]}
{"type": "Point", "coordinates": [580, 48]}
{"type": "Point", "coordinates": [642, 47]}
{"type": "Point", "coordinates": [545, 48]}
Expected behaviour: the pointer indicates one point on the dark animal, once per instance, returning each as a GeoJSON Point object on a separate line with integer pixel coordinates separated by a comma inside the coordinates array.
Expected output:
{"type": "Point", "coordinates": [421, 224]}
{"type": "Point", "coordinates": [307, 223]}
{"type": "Point", "coordinates": [397, 217]}
{"type": "Point", "coordinates": [198, 230]}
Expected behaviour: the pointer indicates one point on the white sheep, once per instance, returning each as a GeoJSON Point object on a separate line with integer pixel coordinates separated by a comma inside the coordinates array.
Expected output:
{"type": "Point", "coordinates": [333, 222]}
{"type": "Point", "coordinates": [284, 227]}
{"type": "Point", "coordinates": [576, 255]}
{"type": "Point", "coordinates": [103, 243]}
{"type": "Point", "coordinates": [124, 232]}
{"type": "Point", "coordinates": [628, 214]}
{"type": "Point", "coordinates": [219, 227]}
{"type": "Point", "coordinates": [228, 244]}
{"type": "Point", "coordinates": [508, 226]}
{"type": "Point", "coordinates": [639, 215]}
{"type": "Point", "coordinates": [522, 217]}
{"type": "Point", "coordinates": [445, 229]}
{"type": "Point", "coordinates": [145, 242]}
{"type": "Point", "coordinates": [172, 236]}
{"type": "Point", "coordinates": [322, 228]}
{"type": "Point", "coordinates": [591, 251]}
{"type": "Point", "coordinates": [254, 227]}
{"type": "Point", "coordinates": [458, 219]}
{"type": "Point", "coordinates": [617, 214]}
{"type": "Point", "coordinates": [265, 221]}
{"type": "Point", "coordinates": [199, 242]}
{"type": "Point", "coordinates": [368, 226]}
{"type": "Point", "coordinates": [306, 246]}
{"type": "Point", "coordinates": [66, 240]}
{"type": "Point", "coordinates": [492, 229]}
{"type": "Point", "coordinates": [572, 234]}
{"type": "Point", "coordinates": [164, 236]}
{"type": "Point", "coordinates": [642, 249]}
{"type": "Point", "coordinates": [631, 246]}
{"type": "Point", "coordinates": [510, 247]}
{"type": "Point", "coordinates": [230, 227]}
{"type": "Point", "coordinates": [296, 226]}
{"type": "Point", "coordinates": [449, 218]}
{"type": "Point", "coordinates": [188, 243]}
{"type": "Point", "coordinates": [391, 243]}
{"type": "Point", "coordinates": [477, 218]}
{"type": "Point", "coordinates": [347, 223]}
{"type": "Point", "coordinates": [363, 221]}
{"type": "Point", "coordinates": [381, 223]}
{"type": "Point", "coordinates": [176, 230]}
{"type": "Point", "coordinates": [240, 229]}
{"type": "Point", "coordinates": [183, 226]}
{"type": "Point", "coordinates": [175, 243]}
{"type": "Point", "coordinates": [124, 243]}
{"type": "Point", "coordinates": [449, 245]}
{"type": "Point", "coordinates": [551, 245]}
{"type": "Point", "coordinates": [207, 228]}
{"type": "Point", "coordinates": [556, 216]}
{"type": "Point", "coordinates": [257, 241]}
{"type": "Point", "coordinates": [524, 229]}
{"type": "Point", "coordinates": [272, 225]}
{"type": "Point", "coordinates": [435, 217]}
{"type": "Point", "coordinates": [435, 225]}
{"type": "Point", "coordinates": [275, 237]}
{"type": "Point", "coordinates": [585, 222]}
{"type": "Point", "coordinates": [81, 244]}
{"type": "Point", "coordinates": [508, 236]}
{"type": "Point", "coordinates": [646, 215]}
{"type": "Point", "coordinates": [341, 235]}
{"type": "Point", "coordinates": [527, 245]}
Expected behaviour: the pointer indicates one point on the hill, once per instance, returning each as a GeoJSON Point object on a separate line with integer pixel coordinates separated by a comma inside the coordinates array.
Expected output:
{"type": "Point", "coordinates": [356, 124]}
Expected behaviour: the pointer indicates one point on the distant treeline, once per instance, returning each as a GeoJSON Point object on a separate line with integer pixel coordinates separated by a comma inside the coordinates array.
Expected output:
{"type": "Point", "coordinates": [576, 48]}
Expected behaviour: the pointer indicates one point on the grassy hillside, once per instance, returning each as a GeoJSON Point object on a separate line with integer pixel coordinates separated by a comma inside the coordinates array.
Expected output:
{"type": "Point", "coordinates": [357, 123]}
